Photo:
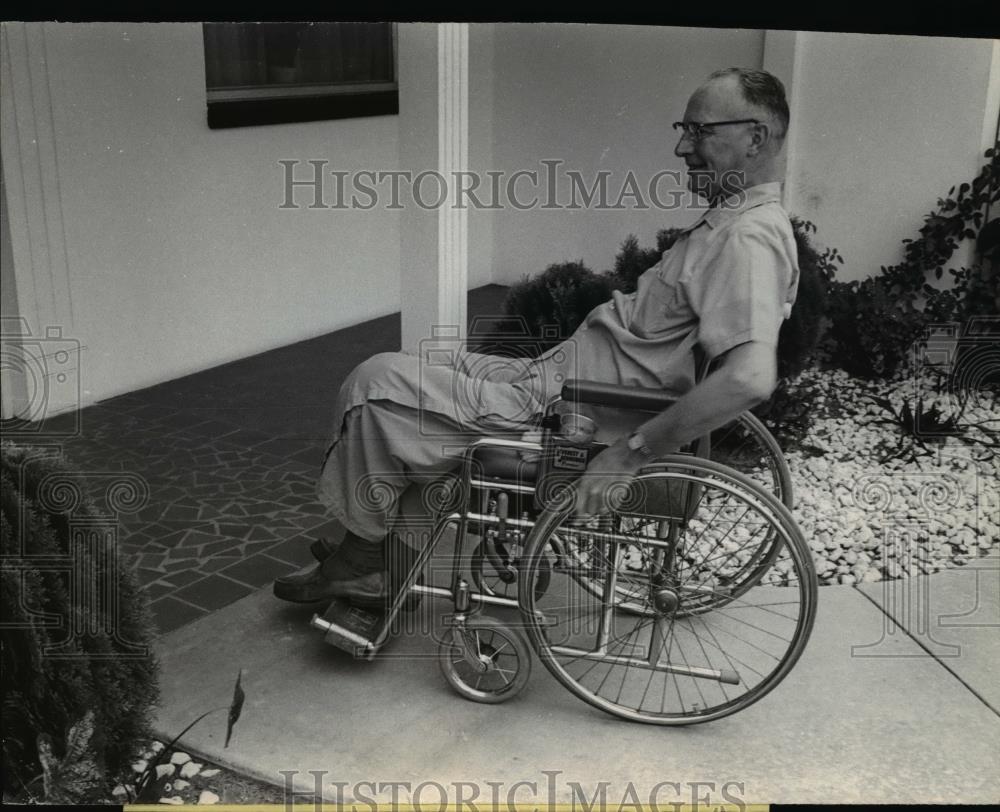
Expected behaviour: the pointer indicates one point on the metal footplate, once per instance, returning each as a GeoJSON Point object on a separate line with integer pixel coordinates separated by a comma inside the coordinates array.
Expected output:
{"type": "Point", "coordinates": [349, 628]}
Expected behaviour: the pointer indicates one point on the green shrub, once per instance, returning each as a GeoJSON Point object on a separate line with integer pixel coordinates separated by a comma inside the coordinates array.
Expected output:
{"type": "Point", "coordinates": [875, 323]}
{"type": "Point", "coordinates": [872, 327]}
{"type": "Point", "coordinates": [631, 262]}
{"type": "Point", "coordinates": [103, 677]}
{"type": "Point", "coordinates": [553, 304]}
{"type": "Point", "coordinates": [800, 332]}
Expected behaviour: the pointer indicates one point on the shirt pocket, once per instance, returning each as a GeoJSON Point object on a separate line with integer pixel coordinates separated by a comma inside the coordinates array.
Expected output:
{"type": "Point", "coordinates": [657, 303]}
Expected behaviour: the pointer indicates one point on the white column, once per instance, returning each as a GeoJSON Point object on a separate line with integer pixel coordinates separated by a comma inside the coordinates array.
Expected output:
{"type": "Point", "coordinates": [41, 352]}
{"type": "Point", "coordinates": [434, 145]}
{"type": "Point", "coordinates": [991, 105]}
{"type": "Point", "coordinates": [782, 57]}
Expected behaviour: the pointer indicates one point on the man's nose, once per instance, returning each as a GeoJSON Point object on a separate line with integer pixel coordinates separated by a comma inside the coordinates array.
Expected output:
{"type": "Point", "coordinates": [684, 146]}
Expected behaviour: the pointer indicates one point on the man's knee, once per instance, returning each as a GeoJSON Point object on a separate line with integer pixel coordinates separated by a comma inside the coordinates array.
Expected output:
{"type": "Point", "coordinates": [377, 367]}
{"type": "Point", "coordinates": [379, 362]}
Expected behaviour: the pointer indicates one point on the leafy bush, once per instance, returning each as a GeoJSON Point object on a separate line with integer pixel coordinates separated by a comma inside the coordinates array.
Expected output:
{"type": "Point", "coordinates": [875, 322]}
{"type": "Point", "coordinates": [872, 327]}
{"type": "Point", "coordinates": [800, 333]}
{"type": "Point", "coordinates": [553, 304]}
{"type": "Point", "coordinates": [79, 679]}
{"type": "Point", "coordinates": [790, 412]}
{"type": "Point", "coordinates": [631, 262]}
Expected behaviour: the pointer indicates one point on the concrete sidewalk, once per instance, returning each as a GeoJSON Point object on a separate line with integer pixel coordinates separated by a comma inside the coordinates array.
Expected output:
{"type": "Point", "coordinates": [869, 714]}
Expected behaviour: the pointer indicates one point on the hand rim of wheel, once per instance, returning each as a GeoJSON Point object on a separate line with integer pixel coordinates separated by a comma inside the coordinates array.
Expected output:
{"type": "Point", "coordinates": [764, 499]}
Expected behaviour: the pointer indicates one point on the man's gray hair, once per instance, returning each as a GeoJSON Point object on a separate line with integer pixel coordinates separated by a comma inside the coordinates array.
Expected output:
{"type": "Point", "coordinates": [762, 89]}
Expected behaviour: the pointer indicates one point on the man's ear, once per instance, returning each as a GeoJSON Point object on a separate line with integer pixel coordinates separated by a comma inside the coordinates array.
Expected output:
{"type": "Point", "coordinates": [760, 137]}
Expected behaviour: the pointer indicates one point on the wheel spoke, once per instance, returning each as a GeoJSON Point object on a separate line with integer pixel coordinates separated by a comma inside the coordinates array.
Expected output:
{"type": "Point", "coordinates": [496, 645]}
{"type": "Point", "coordinates": [695, 631]}
{"type": "Point", "coordinates": [497, 651]}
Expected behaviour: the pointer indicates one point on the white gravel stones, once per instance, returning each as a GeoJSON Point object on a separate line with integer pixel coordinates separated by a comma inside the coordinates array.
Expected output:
{"type": "Point", "coordinates": [207, 797]}
{"type": "Point", "coordinates": [866, 517]}
{"type": "Point", "coordinates": [190, 769]}
{"type": "Point", "coordinates": [209, 773]}
{"type": "Point", "coordinates": [140, 766]}
{"type": "Point", "coordinates": [175, 800]}
{"type": "Point", "coordinates": [156, 746]}
{"type": "Point", "coordinates": [164, 770]}
{"type": "Point", "coordinates": [180, 784]}
{"type": "Point", "coordinates": [180, 758]}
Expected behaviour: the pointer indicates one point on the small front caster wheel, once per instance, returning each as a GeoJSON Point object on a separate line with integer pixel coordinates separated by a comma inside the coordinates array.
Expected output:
{"type": "Point", "coordinates": [485, 660]}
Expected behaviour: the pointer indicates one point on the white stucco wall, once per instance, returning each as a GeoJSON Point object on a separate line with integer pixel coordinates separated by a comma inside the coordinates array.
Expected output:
{"type": "Point", "coordinates": [177, 256]}
{"type": "Point", "coordinates": [886, 126]}
{"type": "Point", "coordinates": [597, 98]}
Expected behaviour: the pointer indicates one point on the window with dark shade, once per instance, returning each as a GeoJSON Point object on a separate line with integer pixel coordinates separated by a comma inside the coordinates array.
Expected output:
{"type": "Point", "coordinates": [274, 73]}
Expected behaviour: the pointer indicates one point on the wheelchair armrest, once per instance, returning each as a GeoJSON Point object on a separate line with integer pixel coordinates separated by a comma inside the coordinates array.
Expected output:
{"type": "Point", "coordinates": [622, 397]}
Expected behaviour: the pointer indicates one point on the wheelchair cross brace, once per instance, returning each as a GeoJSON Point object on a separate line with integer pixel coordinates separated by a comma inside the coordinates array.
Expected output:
{"type": "Point", "coordinates": [363, 633]}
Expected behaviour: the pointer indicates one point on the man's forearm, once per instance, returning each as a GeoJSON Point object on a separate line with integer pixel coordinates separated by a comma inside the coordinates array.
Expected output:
{"type": "Point", "coordinates": [713, 403]}
{"type": "Point", "coordinates": [747, 378]}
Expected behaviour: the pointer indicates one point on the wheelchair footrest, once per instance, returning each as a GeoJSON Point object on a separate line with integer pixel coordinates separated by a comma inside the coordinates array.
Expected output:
{"type": "Point", "coordinates": [349, 628]}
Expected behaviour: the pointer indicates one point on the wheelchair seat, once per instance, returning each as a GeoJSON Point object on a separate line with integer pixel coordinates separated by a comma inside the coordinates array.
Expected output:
{"type": "Point", "coordinates": [507, 464]}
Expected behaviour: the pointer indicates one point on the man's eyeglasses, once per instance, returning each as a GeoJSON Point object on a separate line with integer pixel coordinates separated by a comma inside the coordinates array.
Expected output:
{"type": "Point", "coordinates": [696, 131]}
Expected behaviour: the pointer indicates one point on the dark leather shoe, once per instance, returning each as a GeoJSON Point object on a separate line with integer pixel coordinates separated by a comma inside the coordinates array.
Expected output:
{"type": "Point", "coordinates": [322, 548]}
{"type": "Point", "coordinates": [314, 586]}
{"type": "Point", "coordinates": [355, 571]}
{"type": "Point", "coordinates": [317, 584]}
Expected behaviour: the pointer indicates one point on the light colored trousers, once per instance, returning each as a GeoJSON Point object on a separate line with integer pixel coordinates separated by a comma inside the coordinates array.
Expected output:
{"type": "Point", "coordinates": [401, 425]}
{"type": "Point", "coordinates": [390, 443]}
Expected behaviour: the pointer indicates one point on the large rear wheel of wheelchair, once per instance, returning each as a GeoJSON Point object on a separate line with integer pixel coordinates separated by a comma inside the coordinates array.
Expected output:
{"type": "Point", "coordinates": [745, 445]}
{"type": "Point", "coordinates": [485, 660]}
{"type": "Point", "coordinates": [677, 633]}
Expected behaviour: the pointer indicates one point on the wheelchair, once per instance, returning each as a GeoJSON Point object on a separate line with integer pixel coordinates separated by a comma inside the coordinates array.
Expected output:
{"type": "Point", "coordinates": [688, 599]}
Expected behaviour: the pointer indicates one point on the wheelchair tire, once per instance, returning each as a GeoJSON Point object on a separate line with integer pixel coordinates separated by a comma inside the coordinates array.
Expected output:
{"type": "Point", "coordinates": [698, 648]}
{"type": "Point", "coordinates": [745, 445]}
{"type": "Point", "coordinates": [502, 651]}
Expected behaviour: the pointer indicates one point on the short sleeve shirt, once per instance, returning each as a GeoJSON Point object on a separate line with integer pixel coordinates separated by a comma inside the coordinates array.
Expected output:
{"type": "Point", "coordinates": [728, 279]}
{"type": "Point", "coordinates": [724, 282]}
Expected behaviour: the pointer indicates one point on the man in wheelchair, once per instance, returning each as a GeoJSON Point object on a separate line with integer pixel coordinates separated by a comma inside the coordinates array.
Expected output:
{"type": "Point", "coordinates": [724, 287]}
